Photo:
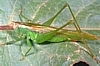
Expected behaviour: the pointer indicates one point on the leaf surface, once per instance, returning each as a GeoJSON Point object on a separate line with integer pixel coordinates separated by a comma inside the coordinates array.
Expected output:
{"type": "Point", "coordinates": [55, 54]}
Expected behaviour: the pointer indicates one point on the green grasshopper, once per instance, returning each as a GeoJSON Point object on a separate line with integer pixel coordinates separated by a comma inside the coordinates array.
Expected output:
{"type": "Point", "coordinates": [41, 33]}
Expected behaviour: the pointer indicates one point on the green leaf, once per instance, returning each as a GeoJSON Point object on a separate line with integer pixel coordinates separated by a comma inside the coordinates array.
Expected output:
{"type": "Point", "coordinates": [54, 54]}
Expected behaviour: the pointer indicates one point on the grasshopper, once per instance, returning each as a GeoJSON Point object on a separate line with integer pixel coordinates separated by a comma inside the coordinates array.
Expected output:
{"type": "Point", "coordinates": [48, 33]}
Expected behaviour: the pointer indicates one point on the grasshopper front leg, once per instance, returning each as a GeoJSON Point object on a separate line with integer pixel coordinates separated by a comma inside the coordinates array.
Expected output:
{"type": "Point", "coordinates": [29, 40]}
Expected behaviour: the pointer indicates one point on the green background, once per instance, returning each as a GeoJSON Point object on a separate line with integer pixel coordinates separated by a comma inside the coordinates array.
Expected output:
{"type": "Point", "coordinates": [87, 13]}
